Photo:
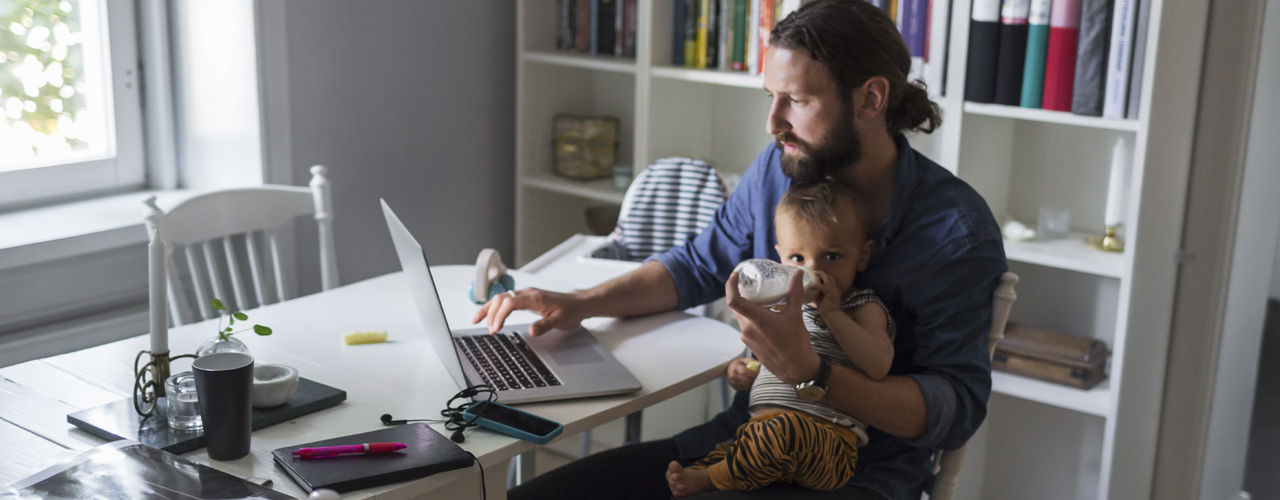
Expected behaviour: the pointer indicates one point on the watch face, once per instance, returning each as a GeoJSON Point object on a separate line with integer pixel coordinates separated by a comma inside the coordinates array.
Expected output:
{"type": "Point", "coordinates": [811, 393]}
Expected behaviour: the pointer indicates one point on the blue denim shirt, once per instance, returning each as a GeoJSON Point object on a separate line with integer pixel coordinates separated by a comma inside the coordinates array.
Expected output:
{"type": "Point", "coordinates": [938, 257]}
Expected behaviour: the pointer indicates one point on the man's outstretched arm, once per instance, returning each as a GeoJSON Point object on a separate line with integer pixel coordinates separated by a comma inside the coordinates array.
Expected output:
{"type": "Point", "coordinates": [646, 290]}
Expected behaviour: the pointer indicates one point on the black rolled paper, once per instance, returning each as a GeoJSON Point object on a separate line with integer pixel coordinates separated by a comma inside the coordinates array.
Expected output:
{"type": "Point", "coordinates": [224, 384]}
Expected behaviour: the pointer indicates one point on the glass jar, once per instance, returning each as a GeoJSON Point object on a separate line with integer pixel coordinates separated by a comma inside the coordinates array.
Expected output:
{"type": "Point", "coordinates": [217, 344]}
{"type": "Point", "coordinates": [182, 404]}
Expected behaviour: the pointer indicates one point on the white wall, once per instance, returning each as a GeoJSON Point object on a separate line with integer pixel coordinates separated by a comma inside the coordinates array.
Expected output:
{"type": "Point", "coordinates": [215, 82]}
{"type": "Point", "coordinates": [413, 102]}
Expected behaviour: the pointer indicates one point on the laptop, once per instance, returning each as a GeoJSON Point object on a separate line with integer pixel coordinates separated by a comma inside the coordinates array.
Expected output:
{"type": "Point", "coordinates": [556, 365]}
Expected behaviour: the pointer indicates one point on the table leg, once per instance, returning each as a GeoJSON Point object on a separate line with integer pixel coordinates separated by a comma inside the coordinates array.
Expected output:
{"type": "Point", "coordinates": [528, 465]}
{"type": "Point", "coordinates": [633, 428]}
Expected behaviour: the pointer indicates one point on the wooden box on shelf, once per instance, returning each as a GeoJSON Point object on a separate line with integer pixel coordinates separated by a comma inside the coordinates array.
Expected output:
{"type": "Point", "coordinates": [1051, 357]}
{"type": "Point", "coordinates": [585, 146]}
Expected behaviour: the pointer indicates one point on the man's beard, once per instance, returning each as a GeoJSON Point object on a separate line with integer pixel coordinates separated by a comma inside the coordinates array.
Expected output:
{"type": "Point", "coordinates": [839, 149]}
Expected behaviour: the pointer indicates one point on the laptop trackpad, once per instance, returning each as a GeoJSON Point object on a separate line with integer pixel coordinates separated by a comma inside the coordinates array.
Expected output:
{"type": "Point", "coordinates": [573, 353]}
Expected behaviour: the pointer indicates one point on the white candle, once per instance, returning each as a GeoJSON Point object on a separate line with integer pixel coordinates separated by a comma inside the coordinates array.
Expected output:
{"type": "Point", "coordinates": [159, 301]}
{"type": "Point", "coordinates": [1115, 188]}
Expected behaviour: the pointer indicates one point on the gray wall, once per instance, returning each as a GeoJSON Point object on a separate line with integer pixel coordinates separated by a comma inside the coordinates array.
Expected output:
{"type": "Point", "coordinates": [413, 102]}
{"type": "Point", "coordinates": [1275, 275]}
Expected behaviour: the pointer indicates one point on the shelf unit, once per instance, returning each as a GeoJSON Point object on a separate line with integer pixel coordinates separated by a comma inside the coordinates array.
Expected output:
{"type": "Point", "coordinates": [1018, 159]}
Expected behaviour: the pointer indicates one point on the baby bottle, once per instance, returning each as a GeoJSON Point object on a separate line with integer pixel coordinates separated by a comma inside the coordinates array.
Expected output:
{"type": "Point", "coordinates": [766, 282]}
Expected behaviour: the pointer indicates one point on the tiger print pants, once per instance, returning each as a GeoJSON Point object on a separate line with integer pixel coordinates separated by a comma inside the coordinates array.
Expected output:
{"type": "Point", "coordinates": [784, 445]}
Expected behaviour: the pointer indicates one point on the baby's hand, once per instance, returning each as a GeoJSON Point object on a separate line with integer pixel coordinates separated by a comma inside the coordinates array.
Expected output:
{"type": "Point", "coordinates": [828, 300]}
{"type": "Point", "coordinates": [740, 375]}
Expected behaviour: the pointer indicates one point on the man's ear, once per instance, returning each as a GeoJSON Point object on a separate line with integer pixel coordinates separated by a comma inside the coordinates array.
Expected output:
{"type": "Point", "coordinates": [875, 97]}
{"type": "Point", "coordinates": [865, 256]}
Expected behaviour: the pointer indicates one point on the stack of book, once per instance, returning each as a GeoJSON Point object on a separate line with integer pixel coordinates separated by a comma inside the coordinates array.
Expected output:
{"type": "Point", "coordinates": [601, 27]}
{"type": "Point", "coordinates": [1081, 56]}
{"type": "Point", "coordinates": [732, 35]}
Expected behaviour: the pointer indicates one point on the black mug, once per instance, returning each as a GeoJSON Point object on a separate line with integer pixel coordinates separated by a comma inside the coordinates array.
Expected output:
{"type": "Point", "coordinates": [224, 385]}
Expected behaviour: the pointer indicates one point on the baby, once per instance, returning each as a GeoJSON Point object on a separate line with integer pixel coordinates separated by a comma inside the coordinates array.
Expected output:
{"type": "Point", "coordinates": [821, 226]}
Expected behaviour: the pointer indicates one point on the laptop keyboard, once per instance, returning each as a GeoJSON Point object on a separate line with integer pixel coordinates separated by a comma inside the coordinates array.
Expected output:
{"type": "Point", "coordinates": [505, 361]}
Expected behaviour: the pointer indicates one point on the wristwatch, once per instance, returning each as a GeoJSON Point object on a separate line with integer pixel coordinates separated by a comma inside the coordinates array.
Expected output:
{"type": "Point", "coordinates": [813, 390]}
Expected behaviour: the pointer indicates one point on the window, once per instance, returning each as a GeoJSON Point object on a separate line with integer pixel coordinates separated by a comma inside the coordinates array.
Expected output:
{"type": "Point", "coordinates": [71, 110]}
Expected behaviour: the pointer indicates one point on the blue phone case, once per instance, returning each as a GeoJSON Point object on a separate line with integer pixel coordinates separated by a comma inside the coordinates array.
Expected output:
{"type": "Point", "coordinates": [511, 431]}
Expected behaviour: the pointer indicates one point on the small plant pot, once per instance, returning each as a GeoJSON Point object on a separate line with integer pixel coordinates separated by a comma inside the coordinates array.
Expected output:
{"type": "Point", "coordinates": [273, 385]}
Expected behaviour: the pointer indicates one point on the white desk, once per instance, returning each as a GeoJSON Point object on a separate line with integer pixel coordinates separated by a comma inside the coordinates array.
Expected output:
{"type": "Point", "coordinates": [669, 353]}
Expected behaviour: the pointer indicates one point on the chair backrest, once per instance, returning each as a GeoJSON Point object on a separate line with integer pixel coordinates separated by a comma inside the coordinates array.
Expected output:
{"type": "Point", "coordinates": [670, 200]}
{"type": "Point", "coordinates": [947, 464]}
{"type": "Point", "coordinates": [213, 231]}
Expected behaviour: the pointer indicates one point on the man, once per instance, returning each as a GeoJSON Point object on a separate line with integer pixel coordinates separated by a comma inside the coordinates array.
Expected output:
{"type": "Point", "coordinates": [836, 72]}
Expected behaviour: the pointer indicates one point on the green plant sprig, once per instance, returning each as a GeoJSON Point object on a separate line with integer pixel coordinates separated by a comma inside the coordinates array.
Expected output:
{"type": "Point", "coordinates": [225, 334]}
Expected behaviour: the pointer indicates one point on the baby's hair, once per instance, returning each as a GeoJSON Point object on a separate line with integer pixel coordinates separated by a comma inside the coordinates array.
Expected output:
{"type": "Point", "coordinates": [819, 203]}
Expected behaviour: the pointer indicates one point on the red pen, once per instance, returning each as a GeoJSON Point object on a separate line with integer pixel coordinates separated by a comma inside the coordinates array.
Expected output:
{"type": "Point", "coordinates": [333, 451]}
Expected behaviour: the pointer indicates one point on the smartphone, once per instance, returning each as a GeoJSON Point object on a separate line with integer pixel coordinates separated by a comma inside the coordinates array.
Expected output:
{"type": "Point", "coordinates": [513, 422]}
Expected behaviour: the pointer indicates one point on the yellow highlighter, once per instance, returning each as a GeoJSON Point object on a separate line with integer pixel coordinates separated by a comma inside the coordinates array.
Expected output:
{"type": "Point", "coordinates": [370, 337]}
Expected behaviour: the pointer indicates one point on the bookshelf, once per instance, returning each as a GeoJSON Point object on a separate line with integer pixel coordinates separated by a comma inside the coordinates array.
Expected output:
{"type": "Point", "coordinates": [1040, 440]}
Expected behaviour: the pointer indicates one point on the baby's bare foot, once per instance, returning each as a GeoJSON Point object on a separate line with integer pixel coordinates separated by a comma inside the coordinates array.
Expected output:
{"type": "Point", "coordinates": [688, 482]}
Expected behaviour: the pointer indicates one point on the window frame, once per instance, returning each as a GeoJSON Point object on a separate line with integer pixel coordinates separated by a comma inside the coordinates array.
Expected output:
{"type": "Point", "coordinates": [124, 166]}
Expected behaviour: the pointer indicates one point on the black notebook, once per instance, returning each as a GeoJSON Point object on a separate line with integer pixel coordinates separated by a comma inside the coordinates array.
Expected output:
{"type": "Point", "coordinates": [428, 453]}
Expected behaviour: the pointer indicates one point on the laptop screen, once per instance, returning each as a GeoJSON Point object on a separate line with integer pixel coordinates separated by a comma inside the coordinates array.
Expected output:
{"type": "Point", "coordinates": [414, 262]}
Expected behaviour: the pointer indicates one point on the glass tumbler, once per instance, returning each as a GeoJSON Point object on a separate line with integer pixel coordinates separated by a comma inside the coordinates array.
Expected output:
{"type": "Point", "coordinates": [184, 412]}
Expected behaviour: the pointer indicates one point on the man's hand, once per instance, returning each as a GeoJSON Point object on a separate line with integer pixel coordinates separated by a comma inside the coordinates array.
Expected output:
{"type": "Point", "coordinates": [828, 301]}
{"type": "Point", "coordinates": [779, 340]}
{"type": "Point", "coordinates": [741, 377]}
{"type": "Point", "coordinates": [558, 310]}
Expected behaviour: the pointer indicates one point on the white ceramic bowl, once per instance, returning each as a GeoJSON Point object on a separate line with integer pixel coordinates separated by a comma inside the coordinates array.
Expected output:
{"type": "Point", "coordinates": [273, 385]}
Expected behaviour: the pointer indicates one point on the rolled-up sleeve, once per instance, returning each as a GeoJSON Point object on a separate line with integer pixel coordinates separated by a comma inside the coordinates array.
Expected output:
{"type": "Point", "coordinates": [952, 366]}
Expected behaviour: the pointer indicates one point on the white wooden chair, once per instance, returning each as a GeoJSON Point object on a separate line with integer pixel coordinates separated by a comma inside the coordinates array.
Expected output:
{"type": "Point", "coordinates": [235, 223]}
{"type": "Point", "coordinates": [947, 464]}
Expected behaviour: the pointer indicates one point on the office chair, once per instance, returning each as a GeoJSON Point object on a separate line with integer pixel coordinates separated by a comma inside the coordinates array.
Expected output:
{"type": "Point", "coordinates": [212, 229]}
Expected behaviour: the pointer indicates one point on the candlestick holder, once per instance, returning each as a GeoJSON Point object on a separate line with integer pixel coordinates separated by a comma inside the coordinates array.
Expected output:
{"type": "Point", "coordinates": [1108, 241]}
{"type": "Point", "coordinates": [148, 380]}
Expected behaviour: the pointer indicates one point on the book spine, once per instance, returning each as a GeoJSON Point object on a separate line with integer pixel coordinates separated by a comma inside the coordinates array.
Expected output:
{"type": "Point", "coordinates": [894, 14]}
{"type": "Point", "coordinates": [677, 33]}
{"type": "Point", "coordinates": [1139, 59]}
{"type": "Point", "coordinates": [739, 36]}
{"type": "Point", "coordinates": [564, 37]}
{"type": "Point", "coordinates": [936, 56]}
{"type": "Point", "coordinates": [1117, 86]}
{"type": "Point", "coordinates": [713, 35]}
{"type": "Point", "coordinates": [630, 23]}
{"type": "Point", "coordinates": [914, 26]}
{"type": "Point", "coordinates": [1037, 45]}
{"type": "Point", "coordinates": [618, 30]}
{"type": "Point", "coordinates": [1013, 51]}
{"type": "Point", "coordinates": [700, 56]}
{"type": "Point", "coordinates": [766, 26]}
{"type": "Point", "coordinates": [593, 24]}
{"type": "Point", "coordinates": [582, 21]}
{"type": "Point", "coordinates": [725, 56]}
{"type": "Point", "coordinates": [984, 49]}
{"type": "Point", "coordinates": [691, 33]}
{"type": "Point", "coordinates": [753, 37]}
{"type": "Point", "coordinates": [1091, 58]}
{"type": "Point", "coordinates": [1060, 56]}
{"type": "Point", "coordinates": [786, 8]}
{"type": "Point", "coordinates": [606, 17]}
